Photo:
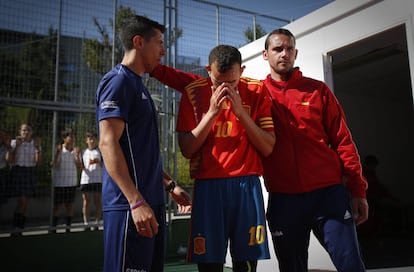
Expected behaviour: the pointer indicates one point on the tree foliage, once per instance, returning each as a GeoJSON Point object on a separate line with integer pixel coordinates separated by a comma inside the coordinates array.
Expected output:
{"type": "Point", "coordinates": [97, 53]}
{"type": "Point", "coordinates": [29, 66]}
{"type": "Point", "coordinates": [29, 74]}
{"type": "Point", "coordinates": [249, 35]}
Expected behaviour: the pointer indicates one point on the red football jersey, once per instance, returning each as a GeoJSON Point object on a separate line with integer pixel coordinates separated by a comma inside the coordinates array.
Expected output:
{"type": "Point", "coordinates": [227, 151]}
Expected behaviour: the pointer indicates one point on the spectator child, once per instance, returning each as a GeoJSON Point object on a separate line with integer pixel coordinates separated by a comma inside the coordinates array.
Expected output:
{"type": "Point", "coordinates": [65, 177]}
{"type": "Point", "coordinates": [25, 156]}
{"type": "Point", "coordinates": [91, 178]}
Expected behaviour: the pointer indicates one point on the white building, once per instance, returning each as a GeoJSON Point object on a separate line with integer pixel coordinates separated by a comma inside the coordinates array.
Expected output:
{"type": "Point", "coordinates": [364, 50]}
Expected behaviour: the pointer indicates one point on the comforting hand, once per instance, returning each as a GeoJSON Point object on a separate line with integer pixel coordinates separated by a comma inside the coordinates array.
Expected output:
{"type": "Point", "coordinates": [182, 198]}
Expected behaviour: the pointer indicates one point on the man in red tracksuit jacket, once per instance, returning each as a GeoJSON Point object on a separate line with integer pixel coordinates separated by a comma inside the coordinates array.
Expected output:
{"type": "Point", "coordinates": [313, 168]}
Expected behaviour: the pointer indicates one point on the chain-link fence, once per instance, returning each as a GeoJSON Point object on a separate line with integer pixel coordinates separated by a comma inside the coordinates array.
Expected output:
{"type": "Point", "coordinates": [53, 54]}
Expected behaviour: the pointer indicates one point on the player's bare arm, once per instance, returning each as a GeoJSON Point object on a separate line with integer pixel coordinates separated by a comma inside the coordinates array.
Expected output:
{"type": "Point", "coordinates": [110, 132]}
{"type": "Point", "coordinates": [190, 142]}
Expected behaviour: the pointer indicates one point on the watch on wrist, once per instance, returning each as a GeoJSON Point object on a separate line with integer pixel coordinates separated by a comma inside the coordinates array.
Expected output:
{"type": "Point", "coordinates": [170, 187]}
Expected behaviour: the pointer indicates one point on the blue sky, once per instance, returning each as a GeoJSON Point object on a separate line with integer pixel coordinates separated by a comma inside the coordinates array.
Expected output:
{"type": "Point", "coordinates": [197, 20]}
{"type": "Point", "coordinates": [286, 9]}
{"type": "Point", "coordinates": [27, 17]}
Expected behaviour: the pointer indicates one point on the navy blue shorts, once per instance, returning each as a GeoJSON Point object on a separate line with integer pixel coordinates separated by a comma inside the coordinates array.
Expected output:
{"type": "Point", "coordinates": [229, 209]}
{"type": "Point", "coordinates": [64, 195]}
{"type": "Point", "coordinates": [327, 212]}
{"type": "Point", "coordinates": [23, 181]}
{"type": "Point", "coordinates": [126, 250]}
{"type": "Point", "coordinates": [91, 187]}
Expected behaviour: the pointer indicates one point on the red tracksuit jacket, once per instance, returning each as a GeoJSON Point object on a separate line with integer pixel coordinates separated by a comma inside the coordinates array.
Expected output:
{"type": "Point", "coordinates": [314, 147]}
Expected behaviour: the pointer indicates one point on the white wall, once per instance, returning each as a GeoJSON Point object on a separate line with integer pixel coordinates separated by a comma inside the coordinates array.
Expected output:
{"type": "Point", "coordinates": [340, 23]}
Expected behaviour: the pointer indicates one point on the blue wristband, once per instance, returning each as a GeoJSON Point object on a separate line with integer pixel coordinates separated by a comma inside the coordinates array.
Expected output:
{"type": "Point", "coordinates": [138, 204]}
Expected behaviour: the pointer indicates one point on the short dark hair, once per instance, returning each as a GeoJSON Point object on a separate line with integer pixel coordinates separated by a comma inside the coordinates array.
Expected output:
{"type": "Point", "coordinates": [282, 31]}
{"type": "Point", "coordinates": [91, 134]}
{"type": "Point", "coordinates": [138, 25]}
{"type": "Point", "coordinates": [66, 132]}
{"type": "Point", "coordinates": [225, 56]}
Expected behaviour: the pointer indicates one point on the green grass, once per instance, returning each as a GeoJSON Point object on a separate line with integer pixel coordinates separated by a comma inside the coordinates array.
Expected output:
{"type": "Point", "coordinates": [78, 251]}
{"type": "Point", "coordinates": [66, 252]}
